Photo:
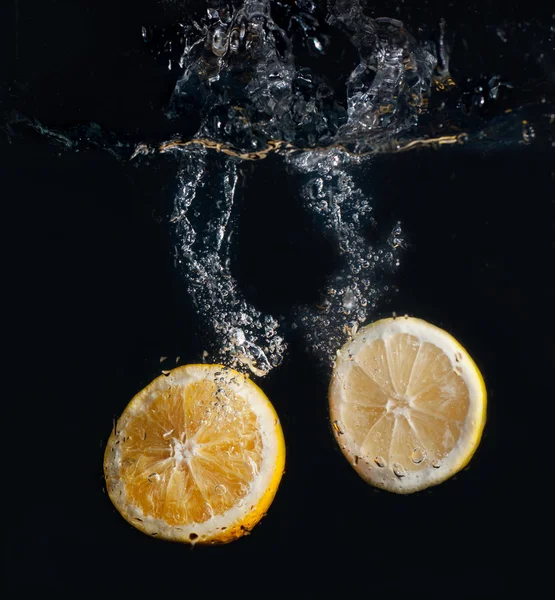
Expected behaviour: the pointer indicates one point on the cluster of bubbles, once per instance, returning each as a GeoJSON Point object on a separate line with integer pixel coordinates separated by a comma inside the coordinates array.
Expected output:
{"type": "Point", "coordinates": [263, 79]}
{"type": "Point", "coordinates": [239, 335]}
{"type": "Point", "coordinates": [241, 72]}
{"type": "Point", "coordinates": [323, 87]}
{"type": "Point", "coordinates": [344, 213]}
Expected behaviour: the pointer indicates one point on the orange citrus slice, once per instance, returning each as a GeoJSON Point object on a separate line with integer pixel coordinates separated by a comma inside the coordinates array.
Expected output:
{"type": "Point", "coordinates": [407, 404]}
{"type": "Point", "coordinates": [196, 457]}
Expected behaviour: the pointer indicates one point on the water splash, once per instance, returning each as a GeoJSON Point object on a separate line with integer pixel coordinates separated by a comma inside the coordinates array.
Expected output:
{"type": "Point", "coordinates": [326, 87]}
{"type": "Point", "coordinates": [240, 73]}
{"type": "Point", "coordinates": [255, 93]}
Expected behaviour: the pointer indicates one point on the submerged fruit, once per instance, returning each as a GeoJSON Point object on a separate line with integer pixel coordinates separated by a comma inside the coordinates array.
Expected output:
{"type": "Point", "coordinates": [197, 456]}
{"type": "Point", "coordinates": [407, 404]}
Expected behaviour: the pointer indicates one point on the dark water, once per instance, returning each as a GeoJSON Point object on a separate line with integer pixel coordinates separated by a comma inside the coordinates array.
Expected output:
{"type": "Point", "coordinates": [95, 299]}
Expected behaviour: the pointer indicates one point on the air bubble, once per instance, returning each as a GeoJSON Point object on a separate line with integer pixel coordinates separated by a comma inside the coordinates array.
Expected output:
{"type": "Point", "coordinates": [234, 40]}
{"type": "Point", "coordinates": [317, 44]}
{"type": "Point", "coordinates": [436, 464]}
{"type": "Point", "coordinates": [238, 337]}
{"type": "Point", "coordinates": [220, 489]}
{"type": "Point", "coordinates": [418, 455]}
{"type": "Point", "coordinates": [349, 299]}
{"type": "Point", "coordinates": [219, 41]}
{"type": "Point", "coordinates": [399, 470]}
{"type": "Point", "coordinates": [380, 462]}
{"type": "Point", "coordinates": [395, 239]}
{"type": "Point", "coordinates": [528, 133]}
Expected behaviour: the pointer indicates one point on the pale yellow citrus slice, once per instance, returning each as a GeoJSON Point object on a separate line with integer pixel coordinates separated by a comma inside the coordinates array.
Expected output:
{"type": "Point", "coordinates": [197, 456]}
{"type": "Point", "coordinates": [407, 404]}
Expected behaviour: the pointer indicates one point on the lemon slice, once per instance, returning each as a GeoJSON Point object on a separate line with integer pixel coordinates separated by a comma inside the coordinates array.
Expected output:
{"type": "Point", "coordinates": [196, 457]}
{"type": "Point", "coordinates": [407, 404]}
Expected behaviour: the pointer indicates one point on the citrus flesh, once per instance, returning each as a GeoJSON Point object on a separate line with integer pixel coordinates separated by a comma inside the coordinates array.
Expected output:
{"type": "Point", "coordinates": [197, 456]}
{"type": "Point", "coordinates": [407, 404]}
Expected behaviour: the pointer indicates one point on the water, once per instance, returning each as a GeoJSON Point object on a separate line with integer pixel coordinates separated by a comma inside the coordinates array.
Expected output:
{"type": "Point", "coordinates": [380, 462]}
{"type": "Point", "coordinates": [320, 89]}
{"type": "Point", "coordinates": [418, 455]}
{"type": "Point", "coordinates": [399, 470]}
{"type": "Point", "coordinates": [96, 299]}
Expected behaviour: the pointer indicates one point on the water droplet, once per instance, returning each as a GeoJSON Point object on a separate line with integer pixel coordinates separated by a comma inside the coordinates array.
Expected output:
{"type": "Point", "coordinates": [153, 478]}
{"type": "Point", "coordinates": [528, 132]}
{"type": "Point", "coordinates": [458, 370]}
{"type": "Point", "coordinates": [349, 299]}
{"type": "Point", "coordinates": [219, 41]}
{"type": "Point", "coordinates": [220, 489]}
{"type": "Point", "coordinates": [380, 462]}
{"type": "Point", "coordinates": [399, 470]}
{"type": "Point", "coordinates": [418, 455]}
{"type": "Point", "coordinates": [238, 337]}
{"type": "Point", "coordinates": [436, 464]}
{"type": "Point", "coordinates": [501, 34]}
{"type": "Point", "coordinates": [395, 239]}
{"type": "Point", "coordinates": [234, 40]}
{"type": "Point", "coordinates": [317, 44]}
{"type": "Point", "coordinates": [337, 425]}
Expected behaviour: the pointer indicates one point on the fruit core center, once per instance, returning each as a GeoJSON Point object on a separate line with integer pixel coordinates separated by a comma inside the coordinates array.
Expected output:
{"type": "Point", "coordinates": [398, 404]}
{"type": "Point", "coordinates": [183, 451]}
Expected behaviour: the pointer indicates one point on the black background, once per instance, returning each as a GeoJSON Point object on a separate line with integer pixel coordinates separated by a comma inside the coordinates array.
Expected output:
{"type": "Point", "coordinates": [94, 300]}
